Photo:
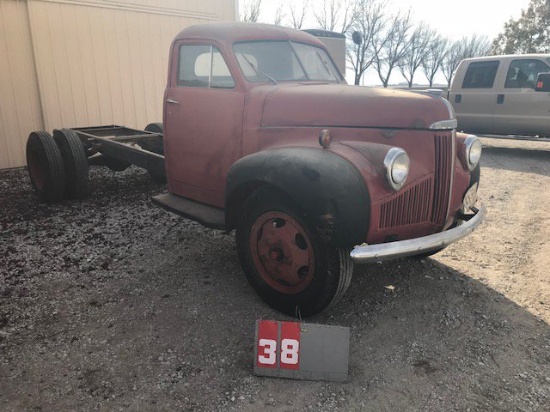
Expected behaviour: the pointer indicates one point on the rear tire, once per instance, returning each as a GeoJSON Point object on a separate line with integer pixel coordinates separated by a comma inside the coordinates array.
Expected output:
{"type": "Point", "coordinates": [75, 161]}
{"type": "Point", "coordinates": [45, 166]}
{"type": "Point", "coordinates": [155, 148]}
{"type": "Point", "coordinates": [155, 128]}
{"type": "Point", "coordinates": [285, 260]}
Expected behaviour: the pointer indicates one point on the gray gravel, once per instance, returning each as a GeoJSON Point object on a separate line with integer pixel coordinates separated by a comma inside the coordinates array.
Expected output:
{"type": "Point", "coordinates": [114, 304]}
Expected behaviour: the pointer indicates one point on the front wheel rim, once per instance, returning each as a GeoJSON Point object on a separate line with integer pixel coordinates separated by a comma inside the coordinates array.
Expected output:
{"type": "Point", "coordinates": [282, 252]}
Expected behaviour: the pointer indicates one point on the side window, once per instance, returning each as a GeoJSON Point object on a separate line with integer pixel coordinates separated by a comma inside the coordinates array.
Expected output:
{"type": "Point", "coordinates": [523, 73]}
{"type": "Point", "coordinates": [480, 75]}
{"type": "Point", "coordinates": [203, 66]}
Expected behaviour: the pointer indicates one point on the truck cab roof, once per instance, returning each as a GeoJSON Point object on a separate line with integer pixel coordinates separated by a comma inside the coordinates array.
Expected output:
{"type": "Point", "coordinates": [230, 33]}
{"type": "Point", "coordinates": [507, 57]}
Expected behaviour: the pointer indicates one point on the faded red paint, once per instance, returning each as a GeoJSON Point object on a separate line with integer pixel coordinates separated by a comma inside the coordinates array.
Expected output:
{"type": "Point", "coordinates": [212, 128]}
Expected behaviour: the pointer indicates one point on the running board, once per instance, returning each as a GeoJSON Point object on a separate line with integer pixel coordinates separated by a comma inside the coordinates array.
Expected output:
{"type": "Point", "coordinates": [206, 215]}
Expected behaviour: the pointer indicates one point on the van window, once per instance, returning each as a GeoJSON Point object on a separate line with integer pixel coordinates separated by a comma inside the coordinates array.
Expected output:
{"type": "Point", "coordinates": [203, 66]}
{"type": "Point", "coordinates": [480, 75]}
{"type": "Point", "coordinates": [523, 73]}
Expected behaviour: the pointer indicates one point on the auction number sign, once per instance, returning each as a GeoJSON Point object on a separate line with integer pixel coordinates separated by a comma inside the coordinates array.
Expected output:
{"type": "Point", "coordinates": [276, 350]}
{"type": "Point", "coordinates": [301, 351]}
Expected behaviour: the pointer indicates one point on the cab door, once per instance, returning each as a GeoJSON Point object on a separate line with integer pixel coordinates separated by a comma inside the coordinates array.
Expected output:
{"type": "Point", "coordinates": [519, 109]}
{"type": "Point", "coordinates": [202, 123]}
{"type": "Point", "coordinates": [474, 101]}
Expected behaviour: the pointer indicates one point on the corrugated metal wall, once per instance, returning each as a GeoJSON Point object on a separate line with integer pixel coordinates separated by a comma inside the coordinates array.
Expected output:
{"type": "Point", "coordinates": [88, 62]}
{"type": "Point", "coordinates": [20, 111]}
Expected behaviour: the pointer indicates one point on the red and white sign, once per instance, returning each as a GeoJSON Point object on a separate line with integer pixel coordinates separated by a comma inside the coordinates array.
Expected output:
{"type": "Point", "coordinates": [276, 351]}
{"type": "Point", "coordinates": [298, 350]}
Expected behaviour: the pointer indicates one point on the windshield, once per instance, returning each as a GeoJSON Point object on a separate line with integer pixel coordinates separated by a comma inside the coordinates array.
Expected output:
{"type": "Point", "coordinates": [276, 61]}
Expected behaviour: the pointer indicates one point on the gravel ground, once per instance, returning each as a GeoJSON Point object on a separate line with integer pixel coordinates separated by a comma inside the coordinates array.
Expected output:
{"type": "Point", "coordinates": [114, 304]}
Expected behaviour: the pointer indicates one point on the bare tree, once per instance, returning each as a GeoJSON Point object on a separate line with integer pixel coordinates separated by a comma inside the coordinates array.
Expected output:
{"type": "Point", "coordinates": [335, 15]}
{"type": "Point", "coordinates": [368, 25]}
{"type": "Point", "coordinates": [251, 11]}
{"type": "Point", "coordinates": [298, 14]}
{"type": "Point", "coordinates": [476, 46]}
{"type": "Point", "coordinates": [434, 58]}
{"type": "Point", "coordinates": [395, 46]}
{"type": "Point", "coordinates": [279, 15]}
{"type": "Point", "coordinates": [465, 48]}
{"type": "Point", "coordinates": [453, 56]}
{"type": "Point", "coordinates": [418, 48]}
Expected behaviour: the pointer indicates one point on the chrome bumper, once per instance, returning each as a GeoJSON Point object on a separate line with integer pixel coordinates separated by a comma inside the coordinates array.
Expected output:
{"type": "Point", "coordinates": [403, 248]}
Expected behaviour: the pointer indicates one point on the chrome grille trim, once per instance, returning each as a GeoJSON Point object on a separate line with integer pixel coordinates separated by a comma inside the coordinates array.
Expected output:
{"type": "Point", "coordinates": [429, 200]}
{"type": "Point", "coordinates": [443, 176]}
{"type": "Point", "coordinates": [410, 207]}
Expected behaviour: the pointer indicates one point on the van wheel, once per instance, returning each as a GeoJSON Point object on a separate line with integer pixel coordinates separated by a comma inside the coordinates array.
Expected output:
{"type": "Point", "coordinates": [285, 260]}
{"type": "Point", "coordinates": [45, 166]}
{"type": "Point", "coordinates": [75, 161]}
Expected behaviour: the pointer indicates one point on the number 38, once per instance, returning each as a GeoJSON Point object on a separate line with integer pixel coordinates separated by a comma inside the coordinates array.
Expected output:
{"type": "Point", "coordinates": [289, 351]}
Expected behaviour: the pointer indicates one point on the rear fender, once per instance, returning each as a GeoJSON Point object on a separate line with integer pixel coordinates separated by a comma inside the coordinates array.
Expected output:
{"type": "Point", "coordinates": [328, 189]}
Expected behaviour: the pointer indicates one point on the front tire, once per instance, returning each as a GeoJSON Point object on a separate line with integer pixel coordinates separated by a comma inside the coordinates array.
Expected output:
{"type": "Point", "coordinates": [285, 260]}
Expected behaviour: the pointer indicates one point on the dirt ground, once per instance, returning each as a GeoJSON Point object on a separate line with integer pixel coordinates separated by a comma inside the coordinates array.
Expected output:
{"type": "Point", "coordinates": [113, 304]}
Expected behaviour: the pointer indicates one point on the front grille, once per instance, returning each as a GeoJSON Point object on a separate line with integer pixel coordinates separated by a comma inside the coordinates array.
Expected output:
{"type": "Point", "coordinates": [410, 207]}
{"type": "Point", "coordinates": [442, 177]}
{"type": "Point", "coordinates": [428, 200]}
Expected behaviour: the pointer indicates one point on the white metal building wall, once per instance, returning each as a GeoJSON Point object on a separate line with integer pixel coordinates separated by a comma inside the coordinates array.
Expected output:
{"type": "Point", "coordinates": [20, 110]}
{"type": "Point", "coordinates": [87, 62]}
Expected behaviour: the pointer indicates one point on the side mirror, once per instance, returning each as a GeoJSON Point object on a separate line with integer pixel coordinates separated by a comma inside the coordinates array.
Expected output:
{"type": "Point", "coordinates": [543, 82]}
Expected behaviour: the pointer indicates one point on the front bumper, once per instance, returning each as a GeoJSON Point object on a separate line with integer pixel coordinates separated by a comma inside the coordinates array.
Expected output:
{"type": "Point", "coordinates": [403, 248]}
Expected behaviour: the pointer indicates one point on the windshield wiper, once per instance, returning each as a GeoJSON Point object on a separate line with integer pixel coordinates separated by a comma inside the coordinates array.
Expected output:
{"type": "Point", "coordinates": [258, 71]}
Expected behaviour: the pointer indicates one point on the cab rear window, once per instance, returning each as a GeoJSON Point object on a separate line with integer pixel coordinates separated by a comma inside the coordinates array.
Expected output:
{"type": "Point", "coordinates": [480, 75]}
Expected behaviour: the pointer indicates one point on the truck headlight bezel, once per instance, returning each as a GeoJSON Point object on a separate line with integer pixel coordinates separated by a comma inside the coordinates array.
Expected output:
{"type": "Point", "coordinates": [473, 151]}
{"type": "Point", "coordinates": [397, 165]}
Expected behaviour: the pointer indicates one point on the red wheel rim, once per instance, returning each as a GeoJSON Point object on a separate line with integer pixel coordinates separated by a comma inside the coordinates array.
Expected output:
{"type": "Point", "coordinates": [35, 170]}
{"type": "Point", "coordinates": [282, 252]}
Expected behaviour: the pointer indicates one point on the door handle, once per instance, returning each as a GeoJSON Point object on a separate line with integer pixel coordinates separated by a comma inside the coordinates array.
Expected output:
{"type": "Point", "coordinates": [172, 101]}
{"type": "Point", "coordinates": [500, 98]}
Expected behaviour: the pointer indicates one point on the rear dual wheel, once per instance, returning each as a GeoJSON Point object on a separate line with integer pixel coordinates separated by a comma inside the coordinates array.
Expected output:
{"type": "Point", "coordinates": [75, 161]}
{"type": "Point", "coordinates": [45, 166]}
{"type": "Point", "coordinates": [57, 165]}
{"type": "Point", "coordinates": [286, 261]}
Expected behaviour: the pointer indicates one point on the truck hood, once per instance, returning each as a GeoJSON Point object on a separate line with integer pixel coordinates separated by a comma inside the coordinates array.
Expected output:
{"type": "Point", "coordinates": [335, 105]}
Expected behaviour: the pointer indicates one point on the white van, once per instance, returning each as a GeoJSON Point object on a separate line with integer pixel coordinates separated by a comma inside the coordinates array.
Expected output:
{"type": "Point", "coordinates": [498, 94]}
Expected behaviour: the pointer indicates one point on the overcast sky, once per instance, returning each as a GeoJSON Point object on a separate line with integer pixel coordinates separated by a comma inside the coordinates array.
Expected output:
{"type": "Point", "coordinates": [452, 18]}
{"type": "Point", "coordinates": [459, 18]}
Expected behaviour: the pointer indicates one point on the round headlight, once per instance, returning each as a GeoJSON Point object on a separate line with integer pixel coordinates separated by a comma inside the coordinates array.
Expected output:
{"type": "Point", "coordinates": [397, 167]}
{"type": "Point", "coordinates": [473, 151]}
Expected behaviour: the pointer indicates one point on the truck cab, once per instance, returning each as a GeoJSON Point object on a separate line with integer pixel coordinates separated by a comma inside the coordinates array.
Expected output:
{"type": "Point", "coordinates": [496, 95]}
{"type": "Point", "coordinates": [263, 135]}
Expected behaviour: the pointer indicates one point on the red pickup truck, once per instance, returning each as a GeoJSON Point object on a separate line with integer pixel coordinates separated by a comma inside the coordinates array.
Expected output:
{"type": "Point", "coordinates": [263, 135]}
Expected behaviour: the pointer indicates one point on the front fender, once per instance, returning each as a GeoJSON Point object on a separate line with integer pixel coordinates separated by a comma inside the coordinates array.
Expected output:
{"type": "Point", "coordinates": [328, 189]}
